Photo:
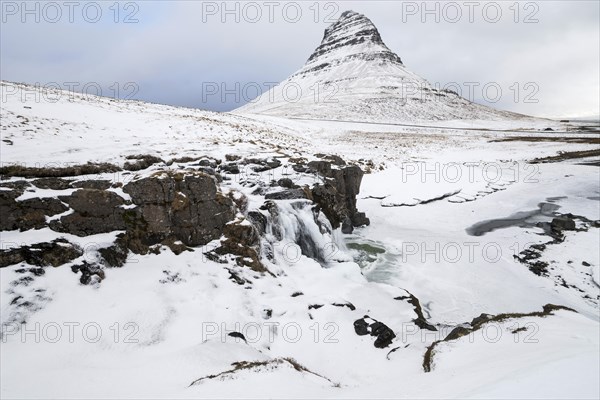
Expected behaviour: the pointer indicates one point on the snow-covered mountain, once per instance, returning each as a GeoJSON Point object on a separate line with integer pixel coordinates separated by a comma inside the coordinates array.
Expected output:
{"type": "Point", "coordinates": [353, 76]}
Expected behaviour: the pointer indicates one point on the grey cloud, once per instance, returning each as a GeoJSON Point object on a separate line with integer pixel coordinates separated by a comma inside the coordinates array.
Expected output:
{"type": "Point", "coordinates": [171, 53]}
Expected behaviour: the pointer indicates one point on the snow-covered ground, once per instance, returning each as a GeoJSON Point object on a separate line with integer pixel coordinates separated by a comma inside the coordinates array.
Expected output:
{"type": "Point", "coordinates": [155, 327]}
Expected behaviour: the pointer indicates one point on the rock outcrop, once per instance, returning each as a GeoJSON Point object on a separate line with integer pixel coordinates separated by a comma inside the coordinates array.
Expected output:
{"type": "Point", "coordinates": [26, 214]}
{"type": "Point", "coordinates": [95, 211]}
{"type": "Point", "coordinates": [182, 209]}
{"type": "Point", "coordinates": [54, 253]}
{"type": "Point", "coordinates": [173, 209]}
{"type": "Point", "coordinates": [337, 196]}
{"type": "Point", "coordinates": [242, 240]}
{"type": "Point", "coordinates": [185, 206]}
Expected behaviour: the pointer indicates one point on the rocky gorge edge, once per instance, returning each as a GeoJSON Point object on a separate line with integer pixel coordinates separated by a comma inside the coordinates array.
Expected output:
{"type": "Point", "coordinates": [179, 204]}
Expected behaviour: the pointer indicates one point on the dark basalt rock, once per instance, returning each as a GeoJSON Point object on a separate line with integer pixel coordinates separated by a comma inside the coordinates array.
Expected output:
{"type": "Point", "coordinates": [235, 277]}
{"type": "Point", "coordinates": [259, 220]}
{"type": "Point", "coordinates": [231, 168]}
{"type": "Point", "coordinates": [384, 335]}
{"type": "Point", "coordinates": [33, 271]}
{"type": "Point", "coordinates": [18, 187]}
{"type": "Point", "coordinates": [89, 273]}
{"type": "Point", "coordinates": [26, 214]}
{"type": "Point", "coordinates": [361, 327]}
{"type": "Point", "coordinates": [347, 304]}
{"type": "Point", "coordinates": [54, 253]}
{"type": "Point", "coordinates": [562, 223]}
{"type": "Point", "coordinates": [334, 159]}
{"type": "Point", "coordinates": [174, 209]}
{"type": "Point", "coordinates": [286, 183]}
{"type": "Point", "coordinates": [116, 255]}
{"type": "Point", "coordinates": [337, 196]}
{"type": "Point", "coordinates": [237, 335]}
{"type": "Point", "coordinates": [322, 168]}
{"type": "Point", "coordinates": [242, 240]}
{"type": "Point", "coordinates": [300, 168]}
{"type": "Point", "coordinates": [209, 163]}
{"type": "Point", "coordinates": [71, 170]}
{"type": "Point", "coordinates": [94, 203]}
{"type": "Point", "coordinates": [184, 206]}
{"type": "Point", "coordinates": [232, 157]}
{"type": "Point", "coordinates": [95, 211]}
{"type": "Point", "coordinates": [210, 171]}
{"type": "Point", "coordinates": [262, 164]}
{"type": "Point", "coordinates": [151, 190]}
{"type": "Point", "coordinates": [97, 184]}
{"type": "Point", "coordinates": [142, 161]}
{"type": "Point", "coordinates": [51, 183]}
{"type": "Point", "coordinates": [290, 194]}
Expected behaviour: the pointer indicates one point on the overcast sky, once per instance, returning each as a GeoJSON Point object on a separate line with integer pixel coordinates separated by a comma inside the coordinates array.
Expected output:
{"type": "Point", "coordinates": [543, 55]}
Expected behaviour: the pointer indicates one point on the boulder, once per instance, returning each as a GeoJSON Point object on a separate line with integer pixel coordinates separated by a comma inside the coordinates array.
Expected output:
{"type": "Point", "coordinates": [361, 327]}
{"type": "Point", "coordinates": [231, 168]}
{"type": "Point", "coordinates": [383, 333]}
{"type": "Point", "coordinates": [142, 161]}
{"type": "Point", "coordinates": [89, 273]}
{"type": "Point", "coordinates": [286, 183]}
{"type": "Point", "coordinates": [562, 223]}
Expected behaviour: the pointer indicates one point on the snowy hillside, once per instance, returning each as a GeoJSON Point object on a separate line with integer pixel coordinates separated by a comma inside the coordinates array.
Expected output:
{"type": "Point", "coordinates": [354, 76]}
{"type": "Point", "coordinates": [478, 269]}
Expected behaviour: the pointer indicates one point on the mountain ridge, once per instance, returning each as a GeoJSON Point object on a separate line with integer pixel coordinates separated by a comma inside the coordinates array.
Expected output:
{"type": "Point", "coordinates": [352, 75]}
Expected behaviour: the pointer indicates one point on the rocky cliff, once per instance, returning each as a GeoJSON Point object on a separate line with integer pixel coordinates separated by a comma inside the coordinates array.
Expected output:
{"type": "Point", "coordinates": [179, 206]}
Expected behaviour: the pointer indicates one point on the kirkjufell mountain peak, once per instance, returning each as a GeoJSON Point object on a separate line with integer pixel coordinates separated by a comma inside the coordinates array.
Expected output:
{"type": "Point", "coordinates": [353, 76]}
{"type": "Point", "coordinates": [352, 33]}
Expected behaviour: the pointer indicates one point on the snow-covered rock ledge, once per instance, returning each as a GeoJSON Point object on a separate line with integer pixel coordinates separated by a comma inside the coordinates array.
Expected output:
{"type": "Point", "coordinates": [179, 205]}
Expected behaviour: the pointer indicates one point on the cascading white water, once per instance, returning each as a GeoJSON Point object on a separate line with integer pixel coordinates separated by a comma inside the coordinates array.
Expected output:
{"type": "Point", "coordinates": [296, 229]}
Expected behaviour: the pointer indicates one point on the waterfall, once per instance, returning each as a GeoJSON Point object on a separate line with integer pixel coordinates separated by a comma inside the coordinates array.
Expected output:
{"type": "Point", "coordinates": [295, 229]}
